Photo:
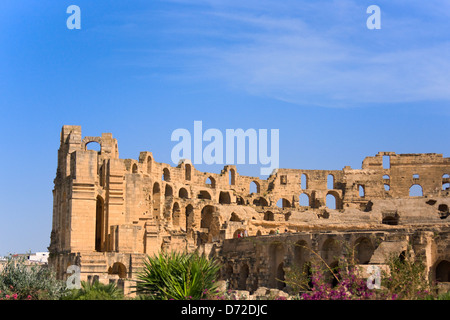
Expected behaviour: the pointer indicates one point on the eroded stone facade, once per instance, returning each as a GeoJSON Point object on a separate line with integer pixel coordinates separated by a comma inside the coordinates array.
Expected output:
{"type": "Point", "coordinates": [108, 213]}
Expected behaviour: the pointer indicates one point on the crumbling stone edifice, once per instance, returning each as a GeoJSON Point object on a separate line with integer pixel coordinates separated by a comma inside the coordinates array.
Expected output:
{"type": "Point", "coordinates": [108, 213]}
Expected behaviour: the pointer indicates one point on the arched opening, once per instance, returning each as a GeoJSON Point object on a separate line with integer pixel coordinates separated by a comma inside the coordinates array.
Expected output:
{"type": "Point", "coordinates": [224, 198]}
{"type": "Point", "coordinates": [254, 187]}
{"type": "Point", "coordinates": [156, 200]}
{"type": "Point", "coordinates": [235, 217]}
{"type": "Point", "coordinates": [443, 271]}
{"type": "Point", "coordinates": [330, 181]}
{"type": "Point", "coordinates": [94, 146]}
{"type": "Point", "coordinates": [168, 192]}
{"type": "Point", "coordinates": [149, 164]}
{"type": "Point", "coordinates": [232, 177]}
{"type": "Point", "coordinates": [260, 202]}
{"type": "Point", "coordinates": [363, 250]}
{"type": "Point", "coordinates": [229, 272]}
{"type": "Point", "coordinates": [283, 203]}
{"type": "Point", "coordinates": [183, 193]}
{"type": "Point", "coordinates": [387, 187]}
{"type": "Point", "coordinates": [204, 195]}
{"type": "Point", "coordinates": [166, 175]}
{"type": "Point", "coordinates": [416, 191]}
{"type": "Point", "coordinates": [119, 269]}
{"type": "Point", "coordinates": [281, 284]}
{"type": "Point", "coordinates": [301, 255]}
{"type": "Point", "coordinates": [276, 252]}
{"type": "Point", "coordinates": [390, 220]}
{"type": "Point", "coordinates": [189, 214]}
{"type": "Point", "coordinates": [269, 216]}
{"type": "Point", "coordinates": [134, 168]}
{"type": "Point", "coordinates": [304, 200]}
{"type": "Point", "coordinates": [210, 223]}
{"type": "Point", "coordinates": [304, 181]}
{"type": "Point", "coordinates": [446, 186]}
{"type": "Point", "coordinates": [99, 224]}
{"type": "Point", "coordinates": [445, 176]}
{"type": "Point", "coordinates": [240, 201]}
{"type": "Point", "coordinates": [210, 182]}
{"type": "Point", "coordinates": [331, 201]}
{"type": "Point", "coordinates": [361, 190]}
{"type": "Point", "coordinates": [330, 250]}
{"type": "Point", "coordinates": [187, 171]}
{"type": "Point", "coordinates": [176, 215]}
{"type": "Point", "coordinates": [243, 276]}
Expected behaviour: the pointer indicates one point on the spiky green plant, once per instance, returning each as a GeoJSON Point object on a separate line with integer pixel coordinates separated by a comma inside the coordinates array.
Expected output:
{"type": "Point", "coordinates": [178, 276]}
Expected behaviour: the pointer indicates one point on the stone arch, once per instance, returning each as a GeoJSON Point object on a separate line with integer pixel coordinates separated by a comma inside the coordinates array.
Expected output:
{"type": "Point", "coordinates": [210, 222]}
{"type": "Point", "coordinates": [95, 143]}
{"type": "Point", "coordinates": [330, 250]}
{"type": "Point", "coordinates": [330, 181]}
{"type": "Point", "coordinates": [333, 200]}
{"type": "Point", "coordinates": [203, 194]}
{"type": "Point", "coordinates": [210, 182]}
{"type": "Point", "coordinates": [283, 203]}
{"type": "Point", "coordinates": [187, 171]}
{"type": "Point", "coordinates": [166, 175]}
{"type": "Point", "coordinates": [156, 199]}
{"type": "Point", "coordinates": [176, 215]}
{"type": "Point", "coordinates": [276, 258]}
{"type": "Point", "coordinates": [364, 250]}
{"type": "Point", "coordinates": [304, 181]}
{"type": "Point", "coordinates": [134, 168]}
{"type": "Point", "coordinates": [416, 190]}
{"type": "Point", "coordinates": [269, 216]}
{"type": "Point", "coordinates": [280, 277]}
{"type": "Point", "coordinates": [224, 197]}
{"type": "Point", "coordinates": [168, 191]}
{"type": "Point", "coordinates": [183, 193]}
{"type": "Point", "coordinates": [235, 217]}
{"type": "Point", "coordinates": [301, 254]}
{"type": "Point", "coordinates": [99, 224]}
{"type": "Point", "coordinates": [189, 217]}
{"type": "Point", "coordinates": [442, 271]}
{"type": "Point", "coordinates": [260, 202]}
{"type": "Point", "coordinates": [119, 269]}
{"type": "Point", "coordinates": [304, 200]}
{"type": "Point", "coordinates": [254, 187]}
{"type": "Point", "coordinates": [239, 233]}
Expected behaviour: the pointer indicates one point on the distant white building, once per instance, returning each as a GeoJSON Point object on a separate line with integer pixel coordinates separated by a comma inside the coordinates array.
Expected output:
{"type": "Point", "coordinates": [40, 257]}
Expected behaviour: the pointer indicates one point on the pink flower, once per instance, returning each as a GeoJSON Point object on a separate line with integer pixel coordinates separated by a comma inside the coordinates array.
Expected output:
{"type": "Point", "coordinates": [15, 296]}
{"type": "Point", "coordinates": [29, 297]}
{"type": "Point", "coordinates": [7, 296]}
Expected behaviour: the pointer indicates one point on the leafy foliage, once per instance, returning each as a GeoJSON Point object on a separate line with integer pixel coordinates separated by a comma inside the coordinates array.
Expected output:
{"type": "Point", "coordinates": [95, 291]}
{"type": "Point", "coordinates": [177, 276]}
{"type": "Point", "coordinates": [22, 281]}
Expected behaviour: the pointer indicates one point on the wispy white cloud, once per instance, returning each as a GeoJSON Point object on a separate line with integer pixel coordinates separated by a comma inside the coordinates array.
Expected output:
{"type": "Point", "coordinates": [318, 53]}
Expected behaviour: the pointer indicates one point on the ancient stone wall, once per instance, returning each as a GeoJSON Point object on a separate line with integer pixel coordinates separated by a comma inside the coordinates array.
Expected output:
{"type": "Point", "coordinates": [109, 212]}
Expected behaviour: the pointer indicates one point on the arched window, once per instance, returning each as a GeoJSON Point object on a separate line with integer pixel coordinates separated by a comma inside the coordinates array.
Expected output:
{"type": "Point", "coordinates": [168, 191]}
{"type": "Point", "coordinates": [166, 175]}
{"type": "Point", "coordinates": [283, 203]}
{"type": "Point", "coordinates": [134, 168]}
{"type": "Point", "coordinates": [416, 191]}
{"type": "Point", "coordinates": [210, 182]}
{"type": "Point", "coordinates": [304, 200]}
{"type": "Point", "coordinates": [269, 216]}
{"type": "Point", "coordinates": [330, 181]}
{"type": "Point", "coordinates": [224, 198]}
{"type": "Point", "coordinates": [183, 193]}
{"type": "Point", "coordinates": [331, 201]}
{"type": "Point", "coordinates": [254, 187]}
{"type": "Point", "coordinates": [304, 181]}
{"type": "Point", "coordinates": [443, 271]}
{"type": "Point", "coordinates": [362, 191]}
{"type": "Point", "coordinates": [187, 171]}
{"type": "Point", "coordinates": [94, 146]}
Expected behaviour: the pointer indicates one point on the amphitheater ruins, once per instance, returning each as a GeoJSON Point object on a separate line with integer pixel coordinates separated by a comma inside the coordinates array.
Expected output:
{"type": "Point", "coordinates": [109, 213]}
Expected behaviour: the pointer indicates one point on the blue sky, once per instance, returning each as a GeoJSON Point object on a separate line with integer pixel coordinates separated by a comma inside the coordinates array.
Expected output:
{"type": "Point", "coordinates": [337, 91]}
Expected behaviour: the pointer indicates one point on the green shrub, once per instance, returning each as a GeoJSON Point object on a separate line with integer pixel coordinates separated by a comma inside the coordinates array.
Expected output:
{"type": "Point", "coordinates": [95, 291]}
{"type": "Point", "coordinates": [23, 281]}
{"type": "Point", "coordinates": [177, 276]}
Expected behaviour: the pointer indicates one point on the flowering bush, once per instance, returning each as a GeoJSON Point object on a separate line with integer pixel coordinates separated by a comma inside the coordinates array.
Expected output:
{"type": "Point", "coordinates": [19, 281]}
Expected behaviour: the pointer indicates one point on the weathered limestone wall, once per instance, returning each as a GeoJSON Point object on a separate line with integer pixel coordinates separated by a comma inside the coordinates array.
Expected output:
{"type": "Point", "coordinates": [110, 212]}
